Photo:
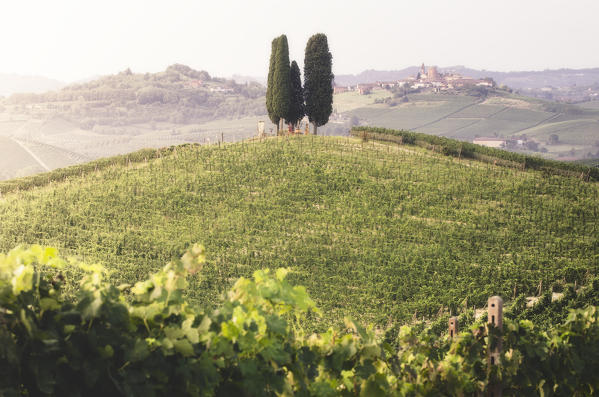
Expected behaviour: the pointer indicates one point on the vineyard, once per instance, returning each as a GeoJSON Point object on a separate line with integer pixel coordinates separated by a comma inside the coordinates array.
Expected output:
{"type": "Point", "coordinates": [466, 117]}
{"type": "Point", "coordinates": [381, 232]}
{"type": "Point", "coordinates": [147, 340]}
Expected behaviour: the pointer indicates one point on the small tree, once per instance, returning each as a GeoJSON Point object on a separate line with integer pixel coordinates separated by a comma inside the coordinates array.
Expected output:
{"type": "Point", "coordinates": [281, 89]}
{"type": "Point", "coordinates": [269, 86]}
{"type": "Point", "coordinates": [296, 106]}
{"type": "Point", "coordinates": [553, 139]}
{"type": "Point", "coordinates": [318, 80]}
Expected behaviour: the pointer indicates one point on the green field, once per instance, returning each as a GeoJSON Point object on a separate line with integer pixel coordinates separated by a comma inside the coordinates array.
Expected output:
{"type": "Point", "coordinates": [383, 233]}
{"type": "Point", "coordinates": [466, 117]}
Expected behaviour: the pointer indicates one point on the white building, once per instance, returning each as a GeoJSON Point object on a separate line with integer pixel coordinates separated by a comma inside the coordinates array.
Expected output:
{"type": "Point", "coordinates": [489, 142]}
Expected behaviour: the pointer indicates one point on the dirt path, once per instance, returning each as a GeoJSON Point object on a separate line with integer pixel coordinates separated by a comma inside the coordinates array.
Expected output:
{"type": "Point", "coordinates": [548, 119]}
{"type": "Point", "coordinates": [447, 115]}
{"type": "Point", "coordinates": [35, 157]}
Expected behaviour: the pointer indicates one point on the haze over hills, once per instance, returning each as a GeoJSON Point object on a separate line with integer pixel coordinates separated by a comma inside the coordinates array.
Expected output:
{"type": "Point", "coordinates": [128, 111]}
{"type": "Point", "coordinates": [520, 80]}
{"type": "Point", "coordinates": [14, 83]}
{"type": "Point", "coordinates": [122, 113]}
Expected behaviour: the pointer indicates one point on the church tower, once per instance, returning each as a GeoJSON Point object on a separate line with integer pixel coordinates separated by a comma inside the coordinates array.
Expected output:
{"type": "Point", "coordinates": [422, 73]}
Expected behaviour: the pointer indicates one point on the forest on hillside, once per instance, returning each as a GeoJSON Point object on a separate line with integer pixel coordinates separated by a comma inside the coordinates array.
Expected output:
{"type": "Point", "coordinates": [178, 95]}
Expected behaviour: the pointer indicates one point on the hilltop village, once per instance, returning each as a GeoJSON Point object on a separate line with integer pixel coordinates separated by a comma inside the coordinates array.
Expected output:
{"type": "Point", "coordinates": [427, 80]}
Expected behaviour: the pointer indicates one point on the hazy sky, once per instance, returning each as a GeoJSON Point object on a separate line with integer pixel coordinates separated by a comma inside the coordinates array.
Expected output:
{"type": "Point", "coordinates": [74, 39]}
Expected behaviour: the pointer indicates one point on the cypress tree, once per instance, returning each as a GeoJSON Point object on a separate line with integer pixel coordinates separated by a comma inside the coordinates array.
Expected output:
{"type": "Point", "coordinates": [269, 86]}
{"type": "Point", "coordinates": [296, 107]}
{"type": "Point", "coordinates": [318, 80]}
{"type": "Point", "coordinates": [281, 92]}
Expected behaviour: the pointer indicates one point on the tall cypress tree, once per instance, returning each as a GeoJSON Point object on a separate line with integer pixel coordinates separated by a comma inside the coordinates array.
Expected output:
{"type": "Point", "coordinates": [281, 93]}
{"type": "Point", "coordinates": [269, 86]}
{"type": "Point", "coordinates": [296, 107]}
{"type": "Point", "coordinates": [318, 80]}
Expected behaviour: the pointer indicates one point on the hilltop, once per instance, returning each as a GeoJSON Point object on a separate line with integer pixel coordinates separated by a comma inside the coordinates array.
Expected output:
{"type": "Point", "coordinates": [384, 233]}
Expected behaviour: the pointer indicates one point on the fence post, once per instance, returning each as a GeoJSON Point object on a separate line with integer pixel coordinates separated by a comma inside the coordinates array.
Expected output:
{"type": "Point", "coordinates": [453, 327]}
{"type": "Point", "coordinates": [495, 320]}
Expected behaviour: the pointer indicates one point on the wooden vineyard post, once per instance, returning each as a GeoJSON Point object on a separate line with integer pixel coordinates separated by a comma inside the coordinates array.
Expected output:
{"type": "Point", "coordinates": [495, 320]}
{"type": "Point", "coordinates": [453, 327]}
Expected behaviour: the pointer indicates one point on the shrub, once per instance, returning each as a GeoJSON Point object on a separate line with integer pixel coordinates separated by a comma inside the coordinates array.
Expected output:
{"type": "Point", "coordinates": [147, 340]}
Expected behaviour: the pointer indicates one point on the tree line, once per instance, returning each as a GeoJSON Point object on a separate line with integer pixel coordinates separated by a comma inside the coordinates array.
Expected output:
{"type": "Point", "coordinates": [287, 101]}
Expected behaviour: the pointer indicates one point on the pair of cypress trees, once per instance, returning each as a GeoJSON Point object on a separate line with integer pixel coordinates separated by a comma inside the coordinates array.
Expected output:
{"type": "Point", "coordinates": [286, 99]}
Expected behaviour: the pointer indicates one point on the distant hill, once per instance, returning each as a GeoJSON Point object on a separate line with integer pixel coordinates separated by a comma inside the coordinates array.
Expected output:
{"type": "Point", "coordinates": [12, 83]}
{"type": "Point", "coordinates": [372, 76]}
{"type": "Point", "coordinates": [125, 112]}
{"type": "Point", "coordinates": [516, 80]}
{"type": "Point", "coordinates": [555, 130]}
{"type": "Point", "coordinates": [179, 94]}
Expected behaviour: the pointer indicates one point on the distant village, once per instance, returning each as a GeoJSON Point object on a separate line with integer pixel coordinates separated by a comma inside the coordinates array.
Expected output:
{"type": "Point", "coordinates": [431, 80]}
{"type": "Point", "coordinates": [426, 80]}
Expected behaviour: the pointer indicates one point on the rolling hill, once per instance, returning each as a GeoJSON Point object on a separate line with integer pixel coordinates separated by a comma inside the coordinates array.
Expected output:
{"type": "Point", "coordinates": [383, 233]}
{"type": "Point", "coordinates": [466, 117]}
{"type": "Point", "coordinates": [126, 112]}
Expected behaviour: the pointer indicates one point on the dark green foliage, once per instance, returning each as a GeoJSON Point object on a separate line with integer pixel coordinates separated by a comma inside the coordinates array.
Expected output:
{"type": "Point", "coordinates": [281, 83]}
{"type": "Point", "coordinates": [318, 80]}
{"type": "Point", "coordinates": [296, 107]}
{"type": "Point", "coordinates": [270, 82]}
{"type": "Point", "coordinates": [147, 340]}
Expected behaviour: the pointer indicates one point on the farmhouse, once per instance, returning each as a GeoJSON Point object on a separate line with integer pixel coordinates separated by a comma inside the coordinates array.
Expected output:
{"type": "Point", "coordinates": [388, 84]}
{"type": "Point", "coordinates": [490, 142]}
{"type": "Point", "coordinates": [364, 89]}
{"type": "Point", "coordinates": [340, 89]}
{"type": "Point", "coordinates": [220, 89]}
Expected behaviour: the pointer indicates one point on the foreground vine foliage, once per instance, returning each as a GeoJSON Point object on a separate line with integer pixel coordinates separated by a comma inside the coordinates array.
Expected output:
{"type": "Point", "coordinates": [147, 340]}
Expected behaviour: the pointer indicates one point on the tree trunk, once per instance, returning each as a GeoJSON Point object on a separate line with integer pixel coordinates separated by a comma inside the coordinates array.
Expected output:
{"type": "Point", "coordinates": [315, 128]}
{"type": "Point", "coordinates": [280, 126]}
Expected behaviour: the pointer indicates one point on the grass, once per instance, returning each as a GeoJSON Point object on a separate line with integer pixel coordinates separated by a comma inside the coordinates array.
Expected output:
{"type": "Point", "coordinates": [587, 131]}
{"type": "Point", "coordinates": [378, 232]}
{"type": "Point", "coordinates": [462, 117]}
{"type": "Point", "coordinates": [348, 101]}
{"type": "Point", "coordinates": [420, 110]}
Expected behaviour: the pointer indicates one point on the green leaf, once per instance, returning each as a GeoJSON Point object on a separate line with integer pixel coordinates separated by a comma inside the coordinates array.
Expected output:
{"type": "Point", "coordinates": [184, 347]}
{"type": "Point", "coordinates": [49, 304]}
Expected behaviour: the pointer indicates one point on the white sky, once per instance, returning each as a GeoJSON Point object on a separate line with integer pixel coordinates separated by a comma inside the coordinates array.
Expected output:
{"type": "Point", "coordinates": [74, 39]}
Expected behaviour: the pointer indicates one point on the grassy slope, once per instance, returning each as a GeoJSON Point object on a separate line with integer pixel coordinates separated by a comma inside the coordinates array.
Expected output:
{"type": "Point", "coordinates": [503, 116]}
{"type": "Point", "coordinates": [15, 161]}
{"type": "Point", "coordinates": [379, 232]}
